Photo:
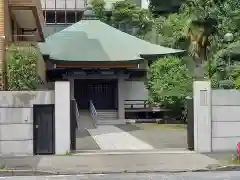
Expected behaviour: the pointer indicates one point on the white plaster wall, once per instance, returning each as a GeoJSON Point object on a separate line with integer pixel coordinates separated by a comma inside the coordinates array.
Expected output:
{"type": "Point", "coordinates": [202, 116]}
{"type": "Point", "coordinates": [136, 90]}
{"type": "Point", "coordinates": [225, 119]}
{"type": "Point", "coordinates": [62, 117]}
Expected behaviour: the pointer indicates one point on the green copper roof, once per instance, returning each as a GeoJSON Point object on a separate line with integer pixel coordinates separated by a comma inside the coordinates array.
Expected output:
{"type": "Point", "coordinates": [52, 29]}
{"type": "Point", "coordinates": [93, 40]}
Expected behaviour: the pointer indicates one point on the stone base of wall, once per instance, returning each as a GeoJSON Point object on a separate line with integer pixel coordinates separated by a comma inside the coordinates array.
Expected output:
{"type": "Point", "coordinates": [16, 148]}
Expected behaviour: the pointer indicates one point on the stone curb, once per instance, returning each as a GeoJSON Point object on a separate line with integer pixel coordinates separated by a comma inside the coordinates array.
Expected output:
{"type": "Point", "coordinates": [228, 168]}
{"type": "Point", "coordinates": [220, 168]}
{"type": "Point", "coordinates": [45, 173]}
{"type": "Point", "coordinates": [4, 173]}
{"type": "Point", "coordinates": [23, 173]}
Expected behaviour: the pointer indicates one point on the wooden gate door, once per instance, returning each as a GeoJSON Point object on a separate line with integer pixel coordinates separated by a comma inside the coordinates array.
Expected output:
{"type": "Point", "coordinates": [103, 95]}
{"type": "Point", "coordinates": [101, 92]}
{"type": "Point", "coordinates": [44, 129]}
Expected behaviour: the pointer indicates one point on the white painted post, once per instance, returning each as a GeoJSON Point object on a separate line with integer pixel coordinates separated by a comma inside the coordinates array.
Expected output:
{"type": "Point", "coordinates": [62, 117]}
{"type": "Point", "coordinates": [202, 116]}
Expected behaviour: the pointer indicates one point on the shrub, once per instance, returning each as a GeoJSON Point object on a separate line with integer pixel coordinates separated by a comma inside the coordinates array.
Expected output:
{"type": "Point", "coordinates": [22, 68]}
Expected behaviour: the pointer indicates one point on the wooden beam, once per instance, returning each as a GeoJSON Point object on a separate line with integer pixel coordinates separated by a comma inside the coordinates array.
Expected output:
{"type": "Point", "coordinates": [92, 65]}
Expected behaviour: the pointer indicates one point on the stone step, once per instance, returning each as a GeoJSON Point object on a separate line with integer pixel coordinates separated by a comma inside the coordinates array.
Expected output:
{"type": "Point", "coordinates": [103, 113]}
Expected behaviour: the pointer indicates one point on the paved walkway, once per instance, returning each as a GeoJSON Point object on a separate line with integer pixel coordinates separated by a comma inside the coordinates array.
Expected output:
{"type": "Point", "coordinates": [84, 140]}
{"type": "Point", "coordinates": [113, 138]}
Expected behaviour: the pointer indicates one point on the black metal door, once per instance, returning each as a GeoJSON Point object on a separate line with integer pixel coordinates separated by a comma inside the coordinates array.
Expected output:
{"type": "Point", "coordinates": [44, 129]}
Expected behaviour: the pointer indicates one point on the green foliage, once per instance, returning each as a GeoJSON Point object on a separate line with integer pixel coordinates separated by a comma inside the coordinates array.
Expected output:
{"type": "Point", "coordinates": [169, 82]}
{"type": "Point", "coordinates": [172, 29]}
{"type": "Point", "coordinates": [237, 83]}
{"type": "Point", "coordinates": [224, 17]}
{"type": "Point", "coordinates": [158, 6]}
{"type": "Point", "coordinates": [125, 16]}
{"type": "Point", "coordinates": [22, 68]}
{"type": "Point", "coordinates": [98, 7]}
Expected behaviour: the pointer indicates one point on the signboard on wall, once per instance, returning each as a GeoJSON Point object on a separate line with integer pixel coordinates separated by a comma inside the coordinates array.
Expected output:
{"type": "Point", "coordinates": [203, 98]}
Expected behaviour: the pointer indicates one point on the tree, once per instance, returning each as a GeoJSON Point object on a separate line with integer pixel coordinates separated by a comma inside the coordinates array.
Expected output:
{"type": "Point", "coordinates": [172, 29]}
{"type": "Point", "coordinates": [169, 82]}
{"type": "Point", "coordinates": [199, 27]}
{"type": "Point", "coordinates": [98, 7]}
{"type": "Point", "coordinates": [125, 16]}
{"type": "Point", "coordinates": [22, 68]}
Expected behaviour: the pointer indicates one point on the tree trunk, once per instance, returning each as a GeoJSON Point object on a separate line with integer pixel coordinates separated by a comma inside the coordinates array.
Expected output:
{"type": "Point", "coordinates": [200, 59]}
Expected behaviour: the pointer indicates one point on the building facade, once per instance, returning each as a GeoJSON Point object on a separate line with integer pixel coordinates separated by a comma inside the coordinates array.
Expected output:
{"type": "Point", "coordinates": [67, 12]}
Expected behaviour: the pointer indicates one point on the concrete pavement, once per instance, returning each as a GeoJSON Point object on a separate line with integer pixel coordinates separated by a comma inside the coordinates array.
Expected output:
{"type": "Point", "coordinates": [113, 138]}
{"type": "Point", "coordinates": [115, 163]}
{"type": "Point", "coordinates": [159, 136]}
{"type": "Point", "coordinates": [150, 176]}
{"type": "Point", "coordinates": [129, 136]}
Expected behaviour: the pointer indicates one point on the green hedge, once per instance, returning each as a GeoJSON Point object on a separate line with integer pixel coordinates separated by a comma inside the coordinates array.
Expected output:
{"type": "Point", "coordinates": [22, 67]}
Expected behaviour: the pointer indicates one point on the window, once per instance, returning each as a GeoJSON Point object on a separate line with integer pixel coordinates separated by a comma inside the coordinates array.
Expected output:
{"type": "Point", "coordinates": [71, 17]}
{"type": "Point", "coordinates": [60, 17]}
{"type": "Point", "coordinates": [50, 17]}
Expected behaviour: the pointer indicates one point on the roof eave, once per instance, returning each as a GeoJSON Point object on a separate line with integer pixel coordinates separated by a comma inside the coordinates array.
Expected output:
{"type": "Point", "coordinates": [58, 61]}
{"type": "Point", "coordinates": [150, 56]}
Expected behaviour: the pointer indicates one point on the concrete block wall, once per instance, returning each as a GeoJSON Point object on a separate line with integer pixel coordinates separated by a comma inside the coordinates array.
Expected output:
{"type": "Point", "coordinates": [225, 119]}
{"type": "Point", "coordinates": [16, 120]}
{"type": "Point", "coordinates": [216, 118]}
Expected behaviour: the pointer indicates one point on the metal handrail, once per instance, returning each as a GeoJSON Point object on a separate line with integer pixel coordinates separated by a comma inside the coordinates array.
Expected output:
{"type": "Point", "coordinates": [77, 113]}
{"type": "Point", "coordinates": [93, 112]}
